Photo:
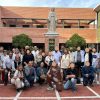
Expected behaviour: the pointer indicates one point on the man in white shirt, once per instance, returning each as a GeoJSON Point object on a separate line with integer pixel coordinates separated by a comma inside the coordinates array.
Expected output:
{"type": "Point", "coordinates": [35, 52]}
{"type": "Point", "coordinates": [8, 66]}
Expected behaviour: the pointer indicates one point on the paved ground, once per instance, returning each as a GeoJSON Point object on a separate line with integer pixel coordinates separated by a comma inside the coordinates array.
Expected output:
{"type": "Point", "coordinates": [40, 92]}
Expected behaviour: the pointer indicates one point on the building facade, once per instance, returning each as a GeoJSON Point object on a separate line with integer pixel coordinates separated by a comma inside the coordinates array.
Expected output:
{"type": "Point", "coordinates": [97, 9]}
{"type": "Point", "coordinates": [33, 22]}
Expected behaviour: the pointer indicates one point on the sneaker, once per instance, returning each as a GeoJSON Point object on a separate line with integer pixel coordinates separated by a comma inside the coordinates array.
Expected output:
{"type": "Point", "coordinates": [18, 90]}
{"type": "Point", "coordinates": [49, 88]}
{"type": "Point", "coordinates": [98, 82]}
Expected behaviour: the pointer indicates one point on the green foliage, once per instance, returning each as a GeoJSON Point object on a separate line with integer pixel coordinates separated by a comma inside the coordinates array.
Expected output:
{"type": "Point", "coordinates": [21, 40]}
{"type": "Point", "coordinates": [75, 41]}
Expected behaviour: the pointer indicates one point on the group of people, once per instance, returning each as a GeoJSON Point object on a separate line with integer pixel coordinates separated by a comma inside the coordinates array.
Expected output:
{"type": "Point", "coordinates": [60, 69]}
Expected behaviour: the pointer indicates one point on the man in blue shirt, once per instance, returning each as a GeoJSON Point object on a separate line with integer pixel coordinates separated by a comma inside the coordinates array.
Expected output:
{"type": "Point", "coordinates": [88, 74]}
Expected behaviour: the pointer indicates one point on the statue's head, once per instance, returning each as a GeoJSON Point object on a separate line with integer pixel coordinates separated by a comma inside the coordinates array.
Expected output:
{"type": "Point", "coordinates": [52, 9]}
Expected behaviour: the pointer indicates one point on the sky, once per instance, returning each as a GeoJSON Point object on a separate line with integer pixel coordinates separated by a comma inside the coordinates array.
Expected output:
{"type": "Point", "coordinates": [52, 3]}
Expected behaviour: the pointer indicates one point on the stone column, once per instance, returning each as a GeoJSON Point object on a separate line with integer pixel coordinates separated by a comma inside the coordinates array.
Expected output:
{"type": "Point", "coordinates": [47, 42]}
{"type": "Point", "coordinates": [0, 18]}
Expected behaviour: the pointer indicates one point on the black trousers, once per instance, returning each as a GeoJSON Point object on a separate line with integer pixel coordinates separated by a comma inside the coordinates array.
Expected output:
{"type": "Point", "coordinates": [88, 80]}
{"type": "Point", "coordinates": [6, 75]}
{"type": "Point", "coordinates": [41, 80]}
{"type": "Point", "coordinates": [79, 68]}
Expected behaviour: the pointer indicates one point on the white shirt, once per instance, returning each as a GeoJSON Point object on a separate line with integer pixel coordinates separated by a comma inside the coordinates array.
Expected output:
{"type": "Point", "coordinates": [18, 74]}
{"type": "Point", "coordinates": [95, 57]}
{"type": "Point", "coordinates": [9, 63]}
{"type": "Point", "coordinates": [72, 57]}
{"type": "Point", "coordinates": [49, 58]}
{"type": "Point", "coordinates": [86, 57]}
{"type": "Point", "coordinates": [35, 53]}
{"type": "Point", "coordinates": [65, 61]}
{"type": "Point", "coordinates": [3, 58]}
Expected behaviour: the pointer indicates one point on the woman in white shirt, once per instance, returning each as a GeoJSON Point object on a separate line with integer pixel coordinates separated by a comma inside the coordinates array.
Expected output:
{"type": "Point", "coordinates": [65, 61]}
{"type": "Point", "coordinates": [49, 59]}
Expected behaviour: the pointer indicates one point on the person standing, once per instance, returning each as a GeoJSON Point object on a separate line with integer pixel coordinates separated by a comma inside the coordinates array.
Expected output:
{"type": "Point", "coordinates": [57, 55]}
{"type": "Point", "coordinates": [65, 61]}
{"type": "Point", "coordinates": [88, 56]}
{"type": "Point", "coordinates": [8, 66]}
{"type": "Point", "coordinates": [79, 60]}
{"type": "Point", "coordinates": [49, 59]}
{"type": "Point", "coordinates": [27, 57]}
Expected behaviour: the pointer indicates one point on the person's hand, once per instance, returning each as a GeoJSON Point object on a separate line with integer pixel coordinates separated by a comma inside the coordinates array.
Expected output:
{"type": "Point", "coordinates": [87, 75]}
{"type": "Point", "coordinates": [21, 77]}
{"type": "Point", "coordinates": [55, 79]}
{"type": "Point", "coordinates": [9, 78]}
{"type": "Point", "coordinates": [72, 76]}
{"type": "Point", "coordinates": [25, 63]}
{"type": "Point", "coordinates": [49, 75]}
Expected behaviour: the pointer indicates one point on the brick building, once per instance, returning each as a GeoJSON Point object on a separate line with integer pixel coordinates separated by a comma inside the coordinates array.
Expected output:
{"type": "Point", "coordinates": [33, 22]}
{"type": "Point", "coordinates": [97, 9]}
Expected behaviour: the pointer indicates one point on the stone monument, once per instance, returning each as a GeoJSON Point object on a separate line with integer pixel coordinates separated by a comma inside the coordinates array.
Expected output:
{"type": "Point", "coordinates": [51, 37]}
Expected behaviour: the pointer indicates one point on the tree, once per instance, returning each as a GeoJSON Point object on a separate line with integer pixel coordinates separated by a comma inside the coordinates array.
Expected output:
{"type": "Point", "coordinates": [75, 41]}
{"type": "Point", "coordinates": [21, 40]}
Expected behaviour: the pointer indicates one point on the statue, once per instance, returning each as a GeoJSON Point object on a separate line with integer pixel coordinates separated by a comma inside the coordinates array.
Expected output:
{"type": "Point", "coordinates": [52, 21]}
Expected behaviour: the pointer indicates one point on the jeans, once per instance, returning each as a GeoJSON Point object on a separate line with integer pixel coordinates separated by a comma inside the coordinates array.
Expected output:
{"type": "Point", "coordinates": [70, 84]}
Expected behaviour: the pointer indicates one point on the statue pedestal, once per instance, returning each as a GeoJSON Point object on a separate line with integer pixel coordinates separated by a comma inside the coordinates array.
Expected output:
{"type": "Point", "coordinates": [51, 40]}
{"type": "Point", "coordinates": [51, 34]}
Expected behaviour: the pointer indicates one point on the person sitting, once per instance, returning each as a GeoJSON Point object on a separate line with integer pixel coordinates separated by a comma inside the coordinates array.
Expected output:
{"type": "Point", "coordinates": [71, 75]}
{"type": "Point", "coordinates": [88, 74]}
{"type": "Point", "coordinates": [41, 73]}
{"type": "Point", "coordinates": [54, 77]}
{"type": "Point", "coordinates": [18, 78]}
{"type": "Point", "coordinates": [30, 73]}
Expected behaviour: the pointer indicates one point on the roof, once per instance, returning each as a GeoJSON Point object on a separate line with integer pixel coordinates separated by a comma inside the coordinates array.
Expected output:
{"type": "Point", "coordinates": [37, 34]}
{"type": "Point", "coordinates": [97, 9]}
{"type": "Point", "coordinates": [42, 12]}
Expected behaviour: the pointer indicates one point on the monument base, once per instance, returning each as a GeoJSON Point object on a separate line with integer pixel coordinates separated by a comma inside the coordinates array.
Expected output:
{"type": "Point", "coordinates": [51, 40]}
{"type": "Point", "coordinates": [51, 34]}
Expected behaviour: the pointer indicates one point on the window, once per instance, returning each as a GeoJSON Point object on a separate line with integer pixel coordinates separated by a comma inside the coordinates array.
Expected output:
{"type": "Point", "coordinates": [40, 26]}
{"type": "Point", "coordinates": [67, 26]}
{"type": "Point", "coordinates": [51, 44]}
{"type": "Point", "coordinates": [82, 26]}
{"type": "Point", "coordinates": [12, 25]}
{"type": "Point", "coordinates": [26, 26]}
